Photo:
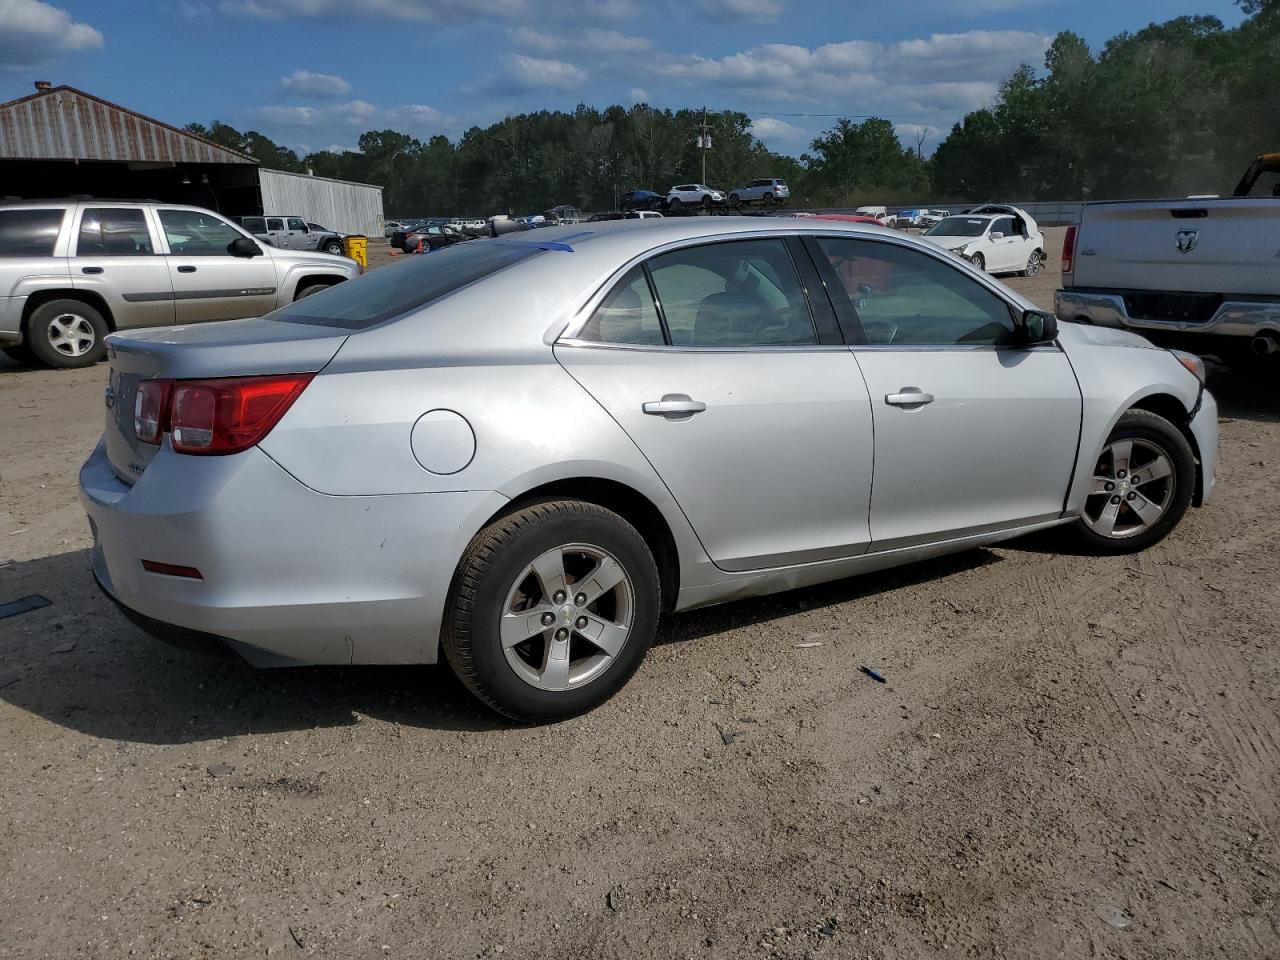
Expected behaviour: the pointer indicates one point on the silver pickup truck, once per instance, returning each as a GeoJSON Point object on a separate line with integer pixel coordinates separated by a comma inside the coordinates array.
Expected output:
{"type": "Point", "coordinates": [1201, 273]}
{"type": "Point", "coordinates": [73, 271]}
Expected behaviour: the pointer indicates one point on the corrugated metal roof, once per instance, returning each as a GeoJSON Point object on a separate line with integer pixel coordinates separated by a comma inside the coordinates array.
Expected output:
{"type": "Point", "coordinates": [63, 123]}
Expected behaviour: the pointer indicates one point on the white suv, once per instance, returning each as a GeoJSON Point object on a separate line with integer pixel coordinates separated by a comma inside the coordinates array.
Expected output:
{"type": "Point", "coordinates": [762, 191]}
{"type": "Point", "coordinates": [73, 271]}
{"type": "Point", "coordinates": [693, 195]}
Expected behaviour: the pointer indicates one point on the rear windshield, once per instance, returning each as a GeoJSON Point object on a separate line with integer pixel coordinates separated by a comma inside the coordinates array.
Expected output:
{"type": "Point", "coordinates": [398, 288]}
{"type": "Point", "coordinates": [29, 233]}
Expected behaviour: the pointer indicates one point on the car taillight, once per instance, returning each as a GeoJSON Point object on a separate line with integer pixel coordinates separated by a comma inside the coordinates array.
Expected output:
{"type": "Point", "coordinates": [230, 415]}
{"type": "Point", "coordinates": [214, 416]}
{"type": "Point", "coordinates": [1069, 250]}
{"type": "Point", "coordinates": [150, 407]}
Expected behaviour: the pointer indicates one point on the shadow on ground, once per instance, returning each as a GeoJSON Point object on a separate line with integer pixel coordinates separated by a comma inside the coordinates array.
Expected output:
{"type": "Point", "coordinates": [81, 664]}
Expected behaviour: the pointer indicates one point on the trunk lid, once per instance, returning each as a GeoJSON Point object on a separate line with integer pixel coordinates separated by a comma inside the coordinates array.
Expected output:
{"type": "Point", "coordinates": [1208, 246]}
{"type": "Point", "coordinates": [234, 348]}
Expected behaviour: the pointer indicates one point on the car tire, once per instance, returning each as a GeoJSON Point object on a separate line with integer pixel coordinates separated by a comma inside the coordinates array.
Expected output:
{"type": "Point", "coordinates": [733, 198]}
{"type": "Point", "coordinates": [497, 589]}
{"type": "Point", "coordinates": [334, 247]}
{"type": "Point", "coordinates": [310, 289]}
{"type": "Point", "coordinates": [1034, 263]}
{"type": "Point", "coordinates": [979, 261]}
{"type": "Point", "coordinates": [673, 203]}
{"type": "Point", "coordinates": [1156, 445]}
{"type": "Point", "coordinates": [706, 201]}
{"type": "Point", "coordinates": [67, 334]}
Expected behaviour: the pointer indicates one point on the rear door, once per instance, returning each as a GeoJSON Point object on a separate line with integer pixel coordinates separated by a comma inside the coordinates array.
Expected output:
{"type": "Point", "coordinates": [760, 428]}
{"type": "Point", "coordinates": [973, 432]}
{"type": "Point", "coordinates": [209, 283]}
{"type": "Point", "coordinates": [116, 256]}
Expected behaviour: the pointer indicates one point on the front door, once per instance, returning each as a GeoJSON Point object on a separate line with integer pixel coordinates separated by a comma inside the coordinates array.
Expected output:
{"type": "Point", "coordinates": [972, 432]}
{"type": "Point", "coordinates": [116, 258]}
{"type": "Point", "coordinates": [1009, 252]}
{"type": "Point", "coordinates": [209, 283]}
{"type": "Point", "coordinates": [300, 238]}
{"type": "Point", "coordinates": [761, 433]}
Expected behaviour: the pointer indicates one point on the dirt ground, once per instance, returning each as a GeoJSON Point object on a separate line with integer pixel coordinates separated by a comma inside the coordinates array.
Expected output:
{"type": "Point", "coordinates": [1072, 757]}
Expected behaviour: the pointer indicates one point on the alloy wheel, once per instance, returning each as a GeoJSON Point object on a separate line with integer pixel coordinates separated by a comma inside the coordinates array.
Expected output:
{"type": "Point", "coordinates": [1132, 488]}
{"type": "Point", "coordinates": [1033, 264]}
{"type": "Point", "coordinates": [71, 335]}
{"type": "Point", "coordinates": [567, 617]}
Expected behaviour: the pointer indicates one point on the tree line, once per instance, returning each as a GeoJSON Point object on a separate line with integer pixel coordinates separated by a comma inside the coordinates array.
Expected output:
{"type": "Point", "coordinates": [1178, 107]}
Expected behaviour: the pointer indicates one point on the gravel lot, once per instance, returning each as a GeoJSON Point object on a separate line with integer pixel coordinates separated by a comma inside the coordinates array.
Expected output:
{"type": "Point", "coordinates": [1072, 757]}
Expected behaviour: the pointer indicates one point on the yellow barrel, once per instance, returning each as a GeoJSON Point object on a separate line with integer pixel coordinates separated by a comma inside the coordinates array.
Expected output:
{"type": "Point", "coordinates": [356, 247]}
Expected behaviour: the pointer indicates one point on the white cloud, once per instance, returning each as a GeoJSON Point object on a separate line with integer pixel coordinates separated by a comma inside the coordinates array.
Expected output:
{"type": "Point", "coordinates": [339, 122]}
{"type": "Point", "coordinates": [532, 73]}
{"type": "Point", "coordinates": [780, 136]}
{"type": "Point", "coordinates": [317, 86]}
{"type": "Point", "coordinates": [742, 11]}
{"type": "Point", "coordinates": [584, 43]}
{"type": "Point", "coordinates": [33, 33]}
{"type": "Point", "coordinates": [434, 11]}
{"type": "Point", "coordinates": [638, 95]}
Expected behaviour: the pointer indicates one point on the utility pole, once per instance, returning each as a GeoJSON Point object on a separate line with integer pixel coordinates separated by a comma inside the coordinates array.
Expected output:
{"type": "Point", "coordinates": [704, 144]}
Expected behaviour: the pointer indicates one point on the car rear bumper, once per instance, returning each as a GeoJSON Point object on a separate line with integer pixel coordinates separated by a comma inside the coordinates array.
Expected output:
{"type": "Point", "coordinates": [289, 575]}
{"type": "Point", "coordinates": [1234, 318]}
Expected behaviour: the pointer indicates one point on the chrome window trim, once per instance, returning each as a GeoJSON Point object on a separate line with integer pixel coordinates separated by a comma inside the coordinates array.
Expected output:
{"type": "Point", "coordinates": [664, 348]}
{"type": "Point", "coordinates": [801, 228]}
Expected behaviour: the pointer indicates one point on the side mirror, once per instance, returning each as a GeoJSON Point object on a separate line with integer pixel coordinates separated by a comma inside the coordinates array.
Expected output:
{"type": "Point", "coordinates": [1037, 326]}
{"type": "Point", "coordinates": [996, 235]}
{"type": "Point", "coordinates": [244, 247]}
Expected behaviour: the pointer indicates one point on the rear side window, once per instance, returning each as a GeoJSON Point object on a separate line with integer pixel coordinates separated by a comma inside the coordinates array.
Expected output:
{"type": "Point", "coordinates": [744, 293]}
{"type": "Point", "coordinates": [29, 233]}
{"type": "Point", "coordinates": [113, 232]}
{"type": "Point", "coordinates": [254, 224]}
{"type": "Point", "coordinates": [275, 223]}
{"type": "Point", "coordinates": [397, 289]}
{"type": "Point", "coordinates": [627, 315]}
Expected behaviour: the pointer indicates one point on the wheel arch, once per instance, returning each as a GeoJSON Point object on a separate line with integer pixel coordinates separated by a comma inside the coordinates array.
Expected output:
{"type": "Point", "coordinates": [1172, 409]}
{"type": "Point", "coordinates": [39, 298]}
{"type": "Point", "coordinates": [321, 279]}
{"type": "Point", "coordinates": [630, 504]}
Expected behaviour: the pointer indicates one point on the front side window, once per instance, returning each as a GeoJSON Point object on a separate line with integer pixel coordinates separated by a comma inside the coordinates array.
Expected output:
{"type": "Point", "coordinates": [905, 297]}
{"type": "Point", "coordinates": [958, 227]}
{"type": "Point", "coordinates": [113, 232]}
{"type": "Point", "coordinates": [1004, 225]}
{"type": "Point", "coordinates": [29, 233]}
{"type": "Point", "coordinates": [193, 233]}
{"type": "Point", "coordinates": [743, 293]}
{"type": "Point", "coordinates": [627, 314]}
{"type": "Point", "coordinates": [296, 223]}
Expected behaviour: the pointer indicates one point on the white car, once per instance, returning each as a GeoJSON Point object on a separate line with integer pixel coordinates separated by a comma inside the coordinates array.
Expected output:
{"type": "Point", "coordinates": [693, 195]}
{"type": "Point", "coordinates": [879, 213]}
{"type": "Point", "coordinates": [997, 239]}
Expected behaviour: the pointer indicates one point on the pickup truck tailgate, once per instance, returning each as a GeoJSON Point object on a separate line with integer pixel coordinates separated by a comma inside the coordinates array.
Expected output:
{"type": "Point", "coordinates": [1213, 246]}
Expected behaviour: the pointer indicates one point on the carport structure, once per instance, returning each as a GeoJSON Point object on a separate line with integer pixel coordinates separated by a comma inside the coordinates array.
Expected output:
{"type": "Point", "coordinates": [60, 142]}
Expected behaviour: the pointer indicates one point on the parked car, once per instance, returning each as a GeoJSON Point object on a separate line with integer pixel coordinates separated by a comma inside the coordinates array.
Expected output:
{"type": "Point", "coordinates": [641, 200]}
{"type": "Point", "coordinates": [391, 226]}
{"type": "Point", "coordinates": [879, 213]}
{"type": "Point", "coordinates": [906, 218]}
{"type": "Point", "coordinates": [998, 238]}
{"type": "Point", "coordinates": [620, 215]}
{"type": "Point", "coordinates": [1199, 273]}
{"type": "Point", "coordinates": [693, 195]}
{"type": "Point", "coordinates": [292, 233]}
{"type": "Point", "coordinates": [72, 271]}
{"type": "Point", "coordinates": [400, 238]}
{"type": "Point", "coordinates": [761, 191]}
{"type": "Point", "coordinates": [434, 236]}
{"type": "Point", "coordinates": [564, 213]}
{"type": "Point", "coordinates": [383, 497]}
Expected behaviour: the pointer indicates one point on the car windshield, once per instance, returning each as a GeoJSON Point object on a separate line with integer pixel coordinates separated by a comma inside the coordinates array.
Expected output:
{"type": "Point", "coordinates": [394, 290]}
{"type": "Point", "coordinates": [958, 227]}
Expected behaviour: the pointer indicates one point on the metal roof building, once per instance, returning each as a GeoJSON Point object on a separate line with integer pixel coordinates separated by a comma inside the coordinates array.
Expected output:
{"type": "Point", "coordinates": [61, 141]}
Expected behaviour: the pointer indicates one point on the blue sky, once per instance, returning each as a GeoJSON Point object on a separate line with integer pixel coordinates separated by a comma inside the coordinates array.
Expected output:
{"type": "Point", "coordinates": [316, 73]}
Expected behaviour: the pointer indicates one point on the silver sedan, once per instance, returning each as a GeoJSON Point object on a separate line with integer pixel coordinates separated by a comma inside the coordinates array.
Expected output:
{"type": "Point", "coordinates": [520, 452]}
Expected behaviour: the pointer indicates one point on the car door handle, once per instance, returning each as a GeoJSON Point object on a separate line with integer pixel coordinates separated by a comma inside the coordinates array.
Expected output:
{"type": "Point", "coordinates": [91, 269]}
{"type": "Point", "coordinates": [908, 397]}
{"type": "Point", "coordinates": [186, 269]}
{"type": "Point", "coordinates": [674, 406]}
